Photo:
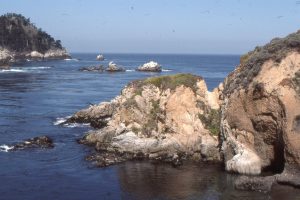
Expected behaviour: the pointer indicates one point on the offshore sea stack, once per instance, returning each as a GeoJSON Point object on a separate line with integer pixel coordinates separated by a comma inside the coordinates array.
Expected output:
{"type": "Point", "coordinates": [21, 40]}
{"type": "Point", "coordinates": [150, 67]}
{"type": "Point", "coordinates": [166, 118]}
{"type": "Point", "coordinates": [260, 124]}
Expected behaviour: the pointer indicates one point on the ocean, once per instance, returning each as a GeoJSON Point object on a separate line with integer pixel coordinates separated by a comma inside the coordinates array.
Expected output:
{"type": "Point", "coordinates": [36, 96]}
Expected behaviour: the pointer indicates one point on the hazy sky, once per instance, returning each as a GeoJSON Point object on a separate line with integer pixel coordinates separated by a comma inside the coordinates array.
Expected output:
{"type": "Point", "coordinates": [161, 26]}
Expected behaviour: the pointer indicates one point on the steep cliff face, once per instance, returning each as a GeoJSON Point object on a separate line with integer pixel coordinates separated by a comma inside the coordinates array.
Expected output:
{"type": "Point", "coordinates": [261, 110]}
{"type": "Point", "coordinates": [159, 118]}
{"type": "Point", "coordinates": [20, 39]}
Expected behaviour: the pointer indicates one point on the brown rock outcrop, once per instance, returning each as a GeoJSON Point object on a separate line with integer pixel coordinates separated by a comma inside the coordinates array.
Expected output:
{"type": "Point", "coordinates": [261, 110]}
{"type": "Point", "coordinates": [161, 118]}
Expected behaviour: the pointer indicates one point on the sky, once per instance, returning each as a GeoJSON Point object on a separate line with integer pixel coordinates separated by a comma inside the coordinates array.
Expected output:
{"type": "Point", "coordinates": [161, 26]}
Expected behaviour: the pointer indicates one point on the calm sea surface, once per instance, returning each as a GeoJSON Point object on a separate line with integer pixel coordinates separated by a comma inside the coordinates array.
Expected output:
{"type": "Point", "coordinates": [35, 96]}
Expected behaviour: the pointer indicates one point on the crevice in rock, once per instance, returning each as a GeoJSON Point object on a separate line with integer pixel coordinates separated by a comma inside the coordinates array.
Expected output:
{"type": "Point", "coordinates": [296, 124]}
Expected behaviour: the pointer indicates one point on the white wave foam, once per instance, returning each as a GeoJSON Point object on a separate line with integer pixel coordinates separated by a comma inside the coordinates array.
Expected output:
{"type": "Point", "coordinates": [74, 125]}
{"type": "Point", "coordinates": [24, 69]}
{"type": "Point", "coordinates": [71, 59]}
{"type": "Point", "coordinates": [166, 70]}
{"type": "Point", "coordinates": [33, 68]}
{"type": "Point", "coordinates": [5, 148]}
{"type": "Point", "coordinates": [61, 120]}
{"type": "Point", "coordinates": [12, 70]}
{"type": "Point", "coordinates": [130, 70]}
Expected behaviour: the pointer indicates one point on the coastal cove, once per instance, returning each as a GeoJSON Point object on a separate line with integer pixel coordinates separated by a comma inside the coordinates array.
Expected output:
{"type": "Point", "coordinates": [37, 96]}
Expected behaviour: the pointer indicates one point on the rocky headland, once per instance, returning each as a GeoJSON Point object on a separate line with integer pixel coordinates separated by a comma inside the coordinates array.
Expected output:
{"type": "Point", "coordinates": [162, 118]}
{"type": "Point", "coordinates": [261, 115]}
{"type": "Point", "coordinates": [21, 40]}
{"type": "Point", "coordinates": [251, 122]}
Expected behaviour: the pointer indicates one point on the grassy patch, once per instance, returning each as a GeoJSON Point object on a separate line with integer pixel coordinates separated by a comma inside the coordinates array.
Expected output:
{"type": "Point", "coordinates": [168, 82]}
{"type": "Point", "coordinates": [211, 121]}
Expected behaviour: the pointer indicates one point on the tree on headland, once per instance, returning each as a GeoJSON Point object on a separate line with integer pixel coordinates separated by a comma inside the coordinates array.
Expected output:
{"type": "Point", "coordinates": [18, 33]}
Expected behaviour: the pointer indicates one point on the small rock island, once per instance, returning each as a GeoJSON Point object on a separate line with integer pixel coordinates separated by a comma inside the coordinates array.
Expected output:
{"type": "Point", "coordinates": [21, 40]}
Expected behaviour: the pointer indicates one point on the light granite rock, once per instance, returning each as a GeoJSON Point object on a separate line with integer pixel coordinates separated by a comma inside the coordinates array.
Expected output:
{"type": "Point", "coordinates": [150, 67]}
{"type": "Point", "coordinates": [161, 123]}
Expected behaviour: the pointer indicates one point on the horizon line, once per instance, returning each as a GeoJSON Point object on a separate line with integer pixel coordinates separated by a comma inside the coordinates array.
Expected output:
{"type": "Point", "coordinates": [151, 53]}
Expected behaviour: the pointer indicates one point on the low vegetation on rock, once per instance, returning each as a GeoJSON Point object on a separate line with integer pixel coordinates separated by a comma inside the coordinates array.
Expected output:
{"type": "Point", "coordinates": [251, 63]}
{"type": "Point", "coordinates": [169, 82]}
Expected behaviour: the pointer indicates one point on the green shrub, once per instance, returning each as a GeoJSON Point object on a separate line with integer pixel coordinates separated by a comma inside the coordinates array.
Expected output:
{"type": "Point", "coordinates": [211, 121]}
{"type": "Point", "coordinates": [252, 62]}
{"type": "Point", "coordinates": [168, 82]}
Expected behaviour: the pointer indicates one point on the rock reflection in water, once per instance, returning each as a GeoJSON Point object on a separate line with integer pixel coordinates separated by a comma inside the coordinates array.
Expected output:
{"type": "Point", "coordinates": [143, 180]}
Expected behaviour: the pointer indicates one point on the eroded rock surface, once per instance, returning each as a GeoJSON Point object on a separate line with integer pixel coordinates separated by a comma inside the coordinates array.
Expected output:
{"type": "Point", "coordinates": [161, 118]}
{"type": "Point", "coordinates": [260, 114]}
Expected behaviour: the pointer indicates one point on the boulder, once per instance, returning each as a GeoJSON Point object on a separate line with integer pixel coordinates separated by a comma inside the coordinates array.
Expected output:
{"type": "Point", "coordinates": [57, 54]}
{"type": "Point", "coordinates": [5, 57]}
{"type": "Point", "coordinates": [150, 67]}
{"type": "Point", "coordinates": [112, 67]}
{"type": "Point", "coordinates": [35, 55]}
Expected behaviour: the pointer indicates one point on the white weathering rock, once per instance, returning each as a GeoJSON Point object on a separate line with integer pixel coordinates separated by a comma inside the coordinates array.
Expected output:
{"type": "Point", "coordinates": [150, 67]}
{"type": "Point", "coordinates": [100, 57]}
{"type": "Point", "coordinates": [35, 55]}
{"type": "Point", "coordinates": [5, 57]}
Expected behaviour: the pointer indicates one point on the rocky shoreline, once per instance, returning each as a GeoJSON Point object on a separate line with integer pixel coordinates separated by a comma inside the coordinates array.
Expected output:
{"type": "Point", "coordinates": [22, 41]}
{"type": "Point", "coordinates": [8, 58]}
{"type": "Point", "coordinates": [250, 122]}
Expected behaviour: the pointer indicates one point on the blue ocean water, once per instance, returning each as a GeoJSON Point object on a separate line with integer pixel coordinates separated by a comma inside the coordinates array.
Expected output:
{"type": "Point", "coordinates": [37, 95]}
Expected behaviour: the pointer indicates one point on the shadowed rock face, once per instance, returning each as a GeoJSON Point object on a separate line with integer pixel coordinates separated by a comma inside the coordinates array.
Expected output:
{"type": "Point", "coordinates": [158, 118]}
{"type": "Point", "coordinates": [260, 118]}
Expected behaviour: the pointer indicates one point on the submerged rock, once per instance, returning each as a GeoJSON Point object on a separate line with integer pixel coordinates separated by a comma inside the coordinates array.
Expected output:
{"type": "Point", "coordinates": [98, 68]}
{"type": "Point", "coordinates": [260, 184]}
{"type": "Point", "coordinates": [158, 118]}
{"type": "Point", "coordinates": [113, 67]}
{"type": "Point", "coordinates": [150, 67]}
{"type": "Point", "coordinates": [36, 142]}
